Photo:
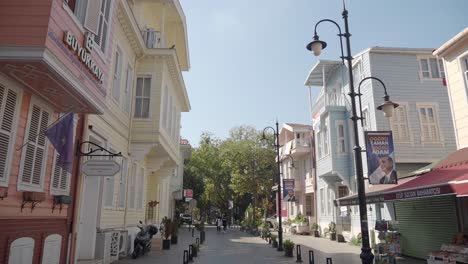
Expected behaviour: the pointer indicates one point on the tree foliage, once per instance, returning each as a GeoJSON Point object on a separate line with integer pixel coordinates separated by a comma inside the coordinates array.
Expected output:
{"type": "Point", "coordinates": [234, 169]}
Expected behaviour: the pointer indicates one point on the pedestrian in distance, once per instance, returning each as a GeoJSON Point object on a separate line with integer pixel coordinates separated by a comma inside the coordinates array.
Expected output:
{"type": "Point", "coordinates": [218, 224]}
{"type": "Point", "coordinates": [224, 224]}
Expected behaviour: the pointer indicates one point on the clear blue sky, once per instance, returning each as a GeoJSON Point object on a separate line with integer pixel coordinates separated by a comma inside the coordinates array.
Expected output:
{"type": "Point", "coordinates": [249, 62]}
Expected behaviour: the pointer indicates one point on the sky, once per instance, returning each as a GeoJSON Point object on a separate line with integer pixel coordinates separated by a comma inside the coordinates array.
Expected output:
{"type": "Point", "coordinates": [248, 60]}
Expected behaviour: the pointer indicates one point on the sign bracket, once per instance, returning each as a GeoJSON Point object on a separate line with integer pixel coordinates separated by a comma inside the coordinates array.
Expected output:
{"type": "Point", "coordinates": [98, 149]}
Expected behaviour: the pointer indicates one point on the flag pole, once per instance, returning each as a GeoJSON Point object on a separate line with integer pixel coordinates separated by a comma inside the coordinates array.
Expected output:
{"type": "Point", "coordinates": [43, 131]}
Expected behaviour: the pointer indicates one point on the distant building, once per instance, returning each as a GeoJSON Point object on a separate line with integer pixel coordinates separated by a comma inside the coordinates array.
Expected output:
{"type": "Point", "coordinates": [422, 125]}
{"type": "Point", "coordinates": [454, 54]}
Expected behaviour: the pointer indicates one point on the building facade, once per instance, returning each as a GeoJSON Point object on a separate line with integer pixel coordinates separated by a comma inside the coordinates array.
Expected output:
{"type": "Point", "coordinates": [422, 126]}
{"type": "Point", "coordinates": [49, 65]}
{"type": "Point", "coordinates": [454, 54]}
{"type": "Point", "coordinates": [141, 121]}
{"type": "Point", "coordinates": [296, 141]}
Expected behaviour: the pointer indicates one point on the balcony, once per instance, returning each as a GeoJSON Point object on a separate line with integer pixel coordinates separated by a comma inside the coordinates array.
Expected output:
{"type": "Point", "coordinates": [329, 100]}
{"type": "Point", "coordinates": [154, 39]}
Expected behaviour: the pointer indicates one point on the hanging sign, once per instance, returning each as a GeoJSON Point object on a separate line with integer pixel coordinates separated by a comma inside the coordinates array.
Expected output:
{"type": "Point", "coordinates": [380, 157]}
{"type": "Point", "coordinates": [288, 190]}
{"type": "Point", "coordinates": [100, 168]}
{"type": "Point", "coordinates": [188, 194]}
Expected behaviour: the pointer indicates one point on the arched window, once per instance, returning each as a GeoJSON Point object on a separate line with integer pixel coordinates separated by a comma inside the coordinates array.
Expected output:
{"type": "Point", "coordinates": [21, 251]}
{"type": "Point", "coordinates": [52, 248]}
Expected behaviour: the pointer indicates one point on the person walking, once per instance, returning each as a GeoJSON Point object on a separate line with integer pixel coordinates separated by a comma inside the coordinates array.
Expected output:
{"type": "Point", "coordinates": [218, 224]}
{"type": "Point", "coordinates": [224, 223]}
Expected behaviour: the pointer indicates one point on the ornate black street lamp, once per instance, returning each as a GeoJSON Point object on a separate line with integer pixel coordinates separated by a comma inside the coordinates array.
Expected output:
{"type": "Point", "coordinates": [278, 181]}
{"type": "Point", "coordinates": [316, 47]}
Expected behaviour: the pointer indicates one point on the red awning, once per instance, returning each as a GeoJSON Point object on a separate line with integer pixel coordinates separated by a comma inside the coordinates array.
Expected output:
{"type": "Point", "coordinates": [441, 181]}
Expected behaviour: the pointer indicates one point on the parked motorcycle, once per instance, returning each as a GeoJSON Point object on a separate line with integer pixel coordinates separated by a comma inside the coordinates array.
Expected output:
{"type": "Point", "coordinates": [142, 243]}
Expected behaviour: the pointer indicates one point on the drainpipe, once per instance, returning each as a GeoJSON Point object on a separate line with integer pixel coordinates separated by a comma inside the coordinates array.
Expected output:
{"type": "Point", "coordinates": [74, 210]}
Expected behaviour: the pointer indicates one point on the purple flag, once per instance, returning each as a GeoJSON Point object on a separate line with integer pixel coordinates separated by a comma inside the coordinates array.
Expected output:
{"type": "Point", "coordinates": [61, 136]}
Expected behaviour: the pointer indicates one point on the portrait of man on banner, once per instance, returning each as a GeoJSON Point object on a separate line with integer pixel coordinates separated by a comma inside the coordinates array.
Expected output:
{"type": "Point", "coordinates": [380, 157]}
{"type": "Point", "coordinates": [288, 190]}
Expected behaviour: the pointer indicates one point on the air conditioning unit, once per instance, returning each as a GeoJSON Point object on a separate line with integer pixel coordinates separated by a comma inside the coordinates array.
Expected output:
{"type": "Point", "coordinates": [153, 39]}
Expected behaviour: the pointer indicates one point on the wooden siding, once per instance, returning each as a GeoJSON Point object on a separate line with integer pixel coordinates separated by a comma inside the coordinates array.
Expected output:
{"type": "Point", "coordinates": [400, 73]}
{"type": "Point", "coordinates": [458, 90]}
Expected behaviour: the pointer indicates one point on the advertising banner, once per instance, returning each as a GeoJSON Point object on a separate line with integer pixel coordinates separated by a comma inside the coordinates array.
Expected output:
{"type": "Point", "coordinates": [380, 157]}
{"type": "Point", "coordinates": [288, 190]}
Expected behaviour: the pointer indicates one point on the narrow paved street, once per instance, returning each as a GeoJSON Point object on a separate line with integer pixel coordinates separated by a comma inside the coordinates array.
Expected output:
{"type": "Point", "coordinates": [238, 247]}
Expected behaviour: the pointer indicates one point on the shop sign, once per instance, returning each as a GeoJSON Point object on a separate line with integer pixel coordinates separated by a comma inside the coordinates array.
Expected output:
{"type": "Point", "coordinates": [424, 192]}
{"type": "Point", "coordinates": [188, 194]}
{"type": "Point", "coordinates": [84, 53]}
{"type": "Point", "coordinates": [380, 157]}
{"type": "Point", "coordinates": [105, 168]}
{"type": "Point", "coordinates": [369, 200]}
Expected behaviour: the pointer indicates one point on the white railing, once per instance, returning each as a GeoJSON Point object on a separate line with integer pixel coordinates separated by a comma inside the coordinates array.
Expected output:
{"type": "Point", "coordinates": [153, 39]}
{"type": "Point", "coordinates": [300, 142]}
{"type": "Point", "coordinates": [328, 99]}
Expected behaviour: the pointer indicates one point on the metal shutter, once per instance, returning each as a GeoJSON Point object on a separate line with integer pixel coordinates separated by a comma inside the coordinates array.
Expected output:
{"type": "Point", "coordinates": [425, 224]}
{"type": "Point", "coordinates": [8, 101]}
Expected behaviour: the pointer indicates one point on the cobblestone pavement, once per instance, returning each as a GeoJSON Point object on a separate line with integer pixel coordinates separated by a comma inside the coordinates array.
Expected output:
{"type": "Point", "coordinates": [237, 247]}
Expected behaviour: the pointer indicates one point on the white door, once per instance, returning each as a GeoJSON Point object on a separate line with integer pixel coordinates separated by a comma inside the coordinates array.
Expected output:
{"type": "Point", "coordinates": [21, 251]}
{"type": "Point", "coordinates": [90, 205]}
{"type": "Point", "coordinates": [52, 248]}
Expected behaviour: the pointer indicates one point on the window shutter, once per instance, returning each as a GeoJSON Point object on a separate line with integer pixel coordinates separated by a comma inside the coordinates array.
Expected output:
{"type": "Point", "coordinates": [8, 100]}
{"type": "Point", "coordinates": [60, 178]}
{"type": "Point", "coordinates": [128, 89]}
{"type": "Point", "coordinates": [91, 22]}
{"type": "Point", "coordinates": [33, 162]}
{"type": "Point", "coordinates": [57, 174]}
{"type": "Point", "coordinates": [117, 73]}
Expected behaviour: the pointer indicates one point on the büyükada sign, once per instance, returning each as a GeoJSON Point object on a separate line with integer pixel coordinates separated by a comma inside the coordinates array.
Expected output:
{"type": "Point", "coordinates": [84, 53]}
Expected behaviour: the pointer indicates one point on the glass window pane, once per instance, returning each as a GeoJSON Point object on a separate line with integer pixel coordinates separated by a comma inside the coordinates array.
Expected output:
{"type": "Point", "coordinates": [138, 107]}
{"type": "Point", "coordinates": [145, 107]}
{"type": "Point", "coordinates": [425, 74]}
{"type": "Point", "coordinates": [424, 66]}
{"type": "Point", "coordinates": [147, 87]}
{"type": "Point", "coordinates": [430, 114]}
{"type": "Point", "coordinates": [139, 87]}
{"type": "Point", "coordinates": [340, 131]}
{"type": "Point", "coordinates": [434, 68]}
{"type": "Point", "coordinates": [422, 112]}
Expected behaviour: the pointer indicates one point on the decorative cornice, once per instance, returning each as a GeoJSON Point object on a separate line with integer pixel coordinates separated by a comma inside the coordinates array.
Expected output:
{"type": "Point", "coordinates": [130, 28]}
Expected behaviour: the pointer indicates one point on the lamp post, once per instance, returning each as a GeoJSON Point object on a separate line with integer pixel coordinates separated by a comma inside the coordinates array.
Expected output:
{"type": "Point", "coordinates": [316, 47]}
{"type": "Point", "coordinates": [278, 182]}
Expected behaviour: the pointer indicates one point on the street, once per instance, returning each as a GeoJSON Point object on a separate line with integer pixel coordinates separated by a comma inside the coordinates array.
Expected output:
{"type": "Point", "coordinates": [239, 247]}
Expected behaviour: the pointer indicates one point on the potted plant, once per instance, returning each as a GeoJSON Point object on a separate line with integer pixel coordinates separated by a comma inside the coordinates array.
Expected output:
{"type": "Point", "coordinates": [332, 230]}
{"type": "Point", "coordinates": [194, 250]}
{"type": "Point", "coordinates": [315, 228]}
{"type": "Point", "coordinates": [288, 246]}
{"type": "Point", "coordinates": [174, 232]}
{"type": "Point", "coordinates": [274, 241]}
{"type": "Point", "coordinates": [167, 233]}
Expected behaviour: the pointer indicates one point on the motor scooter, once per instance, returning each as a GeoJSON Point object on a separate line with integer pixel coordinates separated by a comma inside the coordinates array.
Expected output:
{"type": "Point", "coordinates": [142, 242]}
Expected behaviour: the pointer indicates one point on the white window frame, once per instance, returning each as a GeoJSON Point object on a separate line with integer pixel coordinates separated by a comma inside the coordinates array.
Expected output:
{"type": "Point", "coordinates": [340, 140]}
{"type": "Point", "coordinates": [319, 145]}
{"type": "Point", "coordinates": [129, 84]}
{"type": "Point", "coordinates": [141, 186]}
{"type": "Point", "coordinates": [436, 122]}
{"type": "Point", "coordinates": [326, 137]}
{"type": "Point", "coordinates": [330, 198]}
{"type": "Point", "coordinates": [440, 68]}
{"type": "Point", "coordinates": [463, 64]}
{"type": "Point", "coordinates": [132, 184]}
{"type": "Point", "coordinates": [123, 180]}
{"type": "Point", "coordinates": [106, 185]}
{"type": "Point", "coordinates": [142, 96]}
{"type": "Point", "coordinates": [11, 143]}
{"type": "Point", "coordinates": [117, 74]}
{"type": "Point", "coordinates": [102, 48]}
{"type": "Point", "coordinates": [20, 243]}
{"type": "Point", "coordinates": [29, 187]}
{"type": "Point", "coordinates": [391, 120]}
{"type": "Point", "coordinates": [322, 202]}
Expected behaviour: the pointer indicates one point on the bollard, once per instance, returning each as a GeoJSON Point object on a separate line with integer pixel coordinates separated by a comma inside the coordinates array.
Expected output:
{"type": "Point", "coordinates": [198, 243]}
{"type": "Point", "coordinates": [298, 253]}
{"type": "Point", "coordinates": [185, 257]}
{"type": "Point", "coordinates": [190, 253]}
{"type": "Point", "coordinates": [202, 237]}
{"type": "Point", "coordinates": [311, 257]}
{"type": "Point", "coordinates": [329, 261]}
{"type": "Point", "coordinates": [193, 230]}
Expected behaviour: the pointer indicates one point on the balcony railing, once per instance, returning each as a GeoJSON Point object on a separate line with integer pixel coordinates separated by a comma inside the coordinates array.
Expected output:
{"type": "Point", "coordinates": [329, 99]}
{"type": "Point", "coordinates": [154, 39]}
{"type": "Point", "coordinates": [300, 142]}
